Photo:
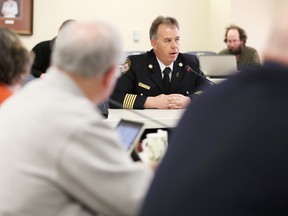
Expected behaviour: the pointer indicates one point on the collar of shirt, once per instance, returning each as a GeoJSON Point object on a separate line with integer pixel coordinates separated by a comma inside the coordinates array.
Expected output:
{"type": "Point", "coordinates": [5, 92]}
{"type": "Point", "coordinates": [162, 67]}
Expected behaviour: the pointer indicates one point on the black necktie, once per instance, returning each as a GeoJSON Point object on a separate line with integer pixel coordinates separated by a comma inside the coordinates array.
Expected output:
{"type": "Point", "coordinates": [166, 80]}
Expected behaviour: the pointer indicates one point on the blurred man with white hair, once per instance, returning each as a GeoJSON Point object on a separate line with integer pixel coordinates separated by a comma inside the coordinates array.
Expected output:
{"type": "Point", "coordinates": [58, 157]}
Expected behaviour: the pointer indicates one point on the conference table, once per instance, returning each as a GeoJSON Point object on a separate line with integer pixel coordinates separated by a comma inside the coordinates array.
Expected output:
{"type": "Point", "coordinates": [152, 118]}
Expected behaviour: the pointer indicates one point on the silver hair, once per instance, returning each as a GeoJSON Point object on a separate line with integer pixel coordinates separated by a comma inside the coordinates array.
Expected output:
{"type": "Point", "coordinates": [161, 20]}
{"type": "Point", "coordinates": [88, 48]}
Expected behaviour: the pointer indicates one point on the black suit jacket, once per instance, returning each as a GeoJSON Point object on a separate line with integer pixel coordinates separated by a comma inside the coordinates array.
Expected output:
{"type": "Point", "coordinates": [42, 51]}
{"type": "Point", "coordinates": [228, 156]}
{"type": "Point", "coordinates": [142, 77]}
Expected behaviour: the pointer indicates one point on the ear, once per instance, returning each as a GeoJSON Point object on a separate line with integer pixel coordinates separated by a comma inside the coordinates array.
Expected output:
{"type": "Point", "coordinates": [109, 77]}
{"type": "Point", "coordinates": [153, 43]}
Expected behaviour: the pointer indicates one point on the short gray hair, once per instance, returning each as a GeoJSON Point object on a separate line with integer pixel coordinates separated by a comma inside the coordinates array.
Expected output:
{"type": "Point", "coordinates": [161, 20]}
{"type": "Point", "coordinates": [87, 48]}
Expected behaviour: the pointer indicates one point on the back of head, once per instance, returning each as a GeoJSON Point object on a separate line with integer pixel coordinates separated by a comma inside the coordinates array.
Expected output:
{"type": "Point", "coordinates": [87, 48]}
{"type": "Point", "coordinates": [15, 60]}
{"type": "Point", "coordinates": [161, 20]}
{"type": "Point", "coordinates": [65, 23]}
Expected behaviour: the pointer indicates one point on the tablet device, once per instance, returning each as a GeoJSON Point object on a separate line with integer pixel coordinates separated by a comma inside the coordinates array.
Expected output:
{"type": "Point", "coordinates": [130, 133]}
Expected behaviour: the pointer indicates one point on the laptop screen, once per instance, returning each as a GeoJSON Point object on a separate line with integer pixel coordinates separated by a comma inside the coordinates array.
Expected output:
{"type": "Point", "coordinates": [129, 133]}
{"type": "Point", "coordinates": [218, 66]}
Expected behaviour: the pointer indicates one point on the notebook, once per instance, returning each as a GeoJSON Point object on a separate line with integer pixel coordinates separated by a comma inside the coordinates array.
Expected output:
{"type": "Point", "coordinates": [218, 66]}
{"type": "Point", "coordinates": [130, 133]}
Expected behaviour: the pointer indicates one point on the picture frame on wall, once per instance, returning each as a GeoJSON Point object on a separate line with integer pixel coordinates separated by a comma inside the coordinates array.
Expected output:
{"type": "Point", "coordinates": [17, 15]}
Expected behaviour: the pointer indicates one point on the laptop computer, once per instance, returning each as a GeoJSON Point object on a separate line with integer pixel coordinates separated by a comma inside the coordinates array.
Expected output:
{"type": "Point", "coordinates": [130, 133]}
{"type": "Point", "coordinates": [218, 66]}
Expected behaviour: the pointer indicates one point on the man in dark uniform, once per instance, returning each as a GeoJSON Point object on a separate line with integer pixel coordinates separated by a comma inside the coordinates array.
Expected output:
{"type": "Point", "coordinates": [143, 83]}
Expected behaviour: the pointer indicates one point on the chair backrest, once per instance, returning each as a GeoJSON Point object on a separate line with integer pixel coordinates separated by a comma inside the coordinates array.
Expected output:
{"type": "Point", "coordinates": [128, 53]}
{"type": "Point", "coordinates": [199, 53]}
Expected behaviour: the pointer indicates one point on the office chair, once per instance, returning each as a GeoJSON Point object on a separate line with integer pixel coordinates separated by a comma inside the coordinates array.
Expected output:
{"type": "Point", "coordinates": [199, 53]}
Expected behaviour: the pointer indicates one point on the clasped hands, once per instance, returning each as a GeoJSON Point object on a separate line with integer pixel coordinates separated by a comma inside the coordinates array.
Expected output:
{"type": "Point", "coordinates": [171, 101]}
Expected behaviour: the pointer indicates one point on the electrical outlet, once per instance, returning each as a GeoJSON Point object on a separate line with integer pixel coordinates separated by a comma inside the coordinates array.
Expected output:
{"type": "Point", "coordinates": [136, 35]}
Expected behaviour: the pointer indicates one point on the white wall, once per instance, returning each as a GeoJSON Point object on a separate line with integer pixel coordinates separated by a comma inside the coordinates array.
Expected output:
{"type": "Point", "coordinates": [255, 19]}
{"type": "Point", "coordinates": [202, 22]}
{"type": "Point", "coordinates": [127, 15]}
{"type": "Point", "coordinates": [219, 17]}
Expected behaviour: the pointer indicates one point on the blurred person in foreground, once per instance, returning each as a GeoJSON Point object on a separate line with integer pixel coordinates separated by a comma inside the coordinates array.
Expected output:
{"type": "Point", "coordinates": [15, 63]}
{"type": "Point", "coordinates": [58, 157]}
{"type": "Point", "coordinates": [43, 51]}
{"type": "Point", "coordinates": [161, 78]}
{"type": "Point", "coordinates": [228, 155]}
{"type": "Point", "coordinates": [235, 39]}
